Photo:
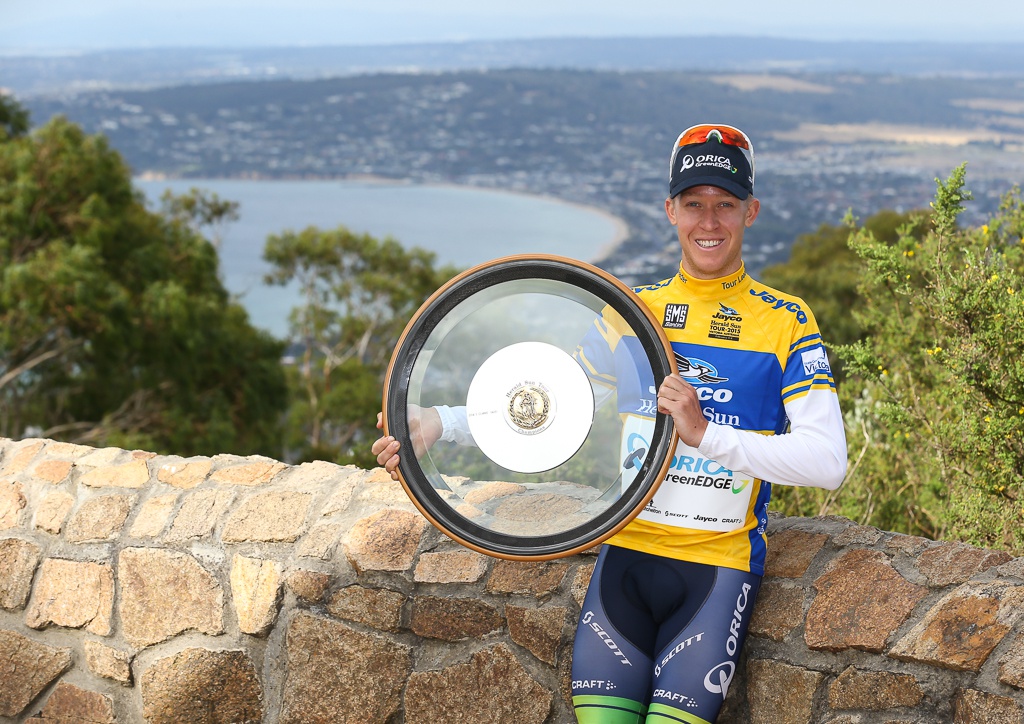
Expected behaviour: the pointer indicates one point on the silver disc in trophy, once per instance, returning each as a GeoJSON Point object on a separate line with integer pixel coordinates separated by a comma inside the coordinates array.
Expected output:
{"type": "Point", "coordinates": [523, 396]}
{"type": "Point", "coordinates": [530, 407]}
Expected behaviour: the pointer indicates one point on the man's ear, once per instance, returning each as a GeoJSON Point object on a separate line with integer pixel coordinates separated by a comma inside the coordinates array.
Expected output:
{"type": "Point", "coordinates": [670, 211]}
{"type": "Point", "coordinates": [753, 209]}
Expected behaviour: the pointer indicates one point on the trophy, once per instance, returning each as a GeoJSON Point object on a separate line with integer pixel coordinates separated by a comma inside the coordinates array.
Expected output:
{"type": "Point", "coordinates": [544, 370]}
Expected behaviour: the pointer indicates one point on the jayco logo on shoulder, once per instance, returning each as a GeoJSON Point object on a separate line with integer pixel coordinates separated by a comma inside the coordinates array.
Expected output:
{"type": "Point", "coordinates": [655, 286]}
{"type": "Point", "coordinates": [777, 303]}
{"type": "Point", "coordinates": [707, 160]}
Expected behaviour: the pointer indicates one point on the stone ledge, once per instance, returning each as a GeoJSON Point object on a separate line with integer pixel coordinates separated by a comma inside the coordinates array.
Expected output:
{"type": "Point", "coordinates": [137, 587]}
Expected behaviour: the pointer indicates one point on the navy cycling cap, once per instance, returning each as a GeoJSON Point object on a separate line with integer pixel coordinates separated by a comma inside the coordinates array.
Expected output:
{"type": "Point", "coordinates": [712, 154]}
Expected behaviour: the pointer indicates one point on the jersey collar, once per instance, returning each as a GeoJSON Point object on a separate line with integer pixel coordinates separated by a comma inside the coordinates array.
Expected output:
{"type": "Point", "coordinates": [714, 288]}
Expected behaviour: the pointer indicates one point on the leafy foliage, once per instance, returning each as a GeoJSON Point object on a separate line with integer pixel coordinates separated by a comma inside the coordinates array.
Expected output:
{"type": "Point", "coordinates": [115, 328]}
{"type": "Point", "coordinates": [825, 271]}
{"type": "Point", "coordinates": [358, 294]}
{"type": "Point", "coordinates": [14, 119]}
{"type": "Point", "coordinates": [200, 210]}
{"type": "Point", "coordinates": [934, 397]}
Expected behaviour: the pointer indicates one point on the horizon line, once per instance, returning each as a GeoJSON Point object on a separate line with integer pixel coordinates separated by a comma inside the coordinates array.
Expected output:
{"type": "Point", "coordinates": [51, 51]}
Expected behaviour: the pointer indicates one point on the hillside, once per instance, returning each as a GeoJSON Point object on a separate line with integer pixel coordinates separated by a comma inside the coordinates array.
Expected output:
{"type": "Point", "coordinates": [825, 141]}
{"type": "Point", "coordinates": [146, 68]}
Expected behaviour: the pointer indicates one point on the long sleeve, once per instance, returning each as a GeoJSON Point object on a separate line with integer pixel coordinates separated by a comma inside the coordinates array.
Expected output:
{"type": "Point", "coordinates": [812, 453]}
{"type": "Point", "coordinates": [455, 425]}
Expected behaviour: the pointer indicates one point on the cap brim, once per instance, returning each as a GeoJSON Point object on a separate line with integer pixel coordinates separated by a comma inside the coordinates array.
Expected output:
{"type": "Point", "coordinates": [737, 190]}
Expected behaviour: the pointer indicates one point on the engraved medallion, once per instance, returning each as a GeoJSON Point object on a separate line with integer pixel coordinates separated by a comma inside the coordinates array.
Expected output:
{"type": "Point", "coordinates": [530, 408]}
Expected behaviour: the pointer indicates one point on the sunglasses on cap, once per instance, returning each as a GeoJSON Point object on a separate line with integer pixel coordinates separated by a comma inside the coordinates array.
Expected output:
{"type": "Point", "coordinates": [729, 135]}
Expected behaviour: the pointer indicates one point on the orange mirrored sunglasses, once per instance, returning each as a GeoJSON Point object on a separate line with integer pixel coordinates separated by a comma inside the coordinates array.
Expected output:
{"type": "Point", "coordinates": [726, 134]}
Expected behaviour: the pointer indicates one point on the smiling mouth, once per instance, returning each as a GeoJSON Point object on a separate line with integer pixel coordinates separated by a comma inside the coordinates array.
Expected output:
{"type": "Point", "coordinates": [708, 243]}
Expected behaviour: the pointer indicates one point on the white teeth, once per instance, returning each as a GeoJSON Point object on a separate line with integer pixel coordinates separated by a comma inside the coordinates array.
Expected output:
{"type": "Point", "coordinates": [708, 243]}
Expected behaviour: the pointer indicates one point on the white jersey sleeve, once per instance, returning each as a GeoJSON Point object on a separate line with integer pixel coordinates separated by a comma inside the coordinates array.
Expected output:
{"type": "Point", "coordinates": [812, 453]}
{"type": "Point", "coordinates": [455, 425]}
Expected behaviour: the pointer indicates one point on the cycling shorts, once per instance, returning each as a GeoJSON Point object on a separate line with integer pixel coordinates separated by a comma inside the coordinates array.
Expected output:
{"type": "Point", "coordinates": [658, 639]}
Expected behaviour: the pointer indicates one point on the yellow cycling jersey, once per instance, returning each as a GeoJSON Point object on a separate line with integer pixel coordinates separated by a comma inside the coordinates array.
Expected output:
{"type": "Point", "coordinates": [755, 357]}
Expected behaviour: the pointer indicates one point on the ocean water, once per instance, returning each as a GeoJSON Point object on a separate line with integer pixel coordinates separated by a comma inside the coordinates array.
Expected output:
{"type": "Point", "coordinates": [462, 226]}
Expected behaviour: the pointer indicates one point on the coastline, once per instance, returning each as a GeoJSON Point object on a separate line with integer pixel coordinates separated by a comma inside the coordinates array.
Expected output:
{"type": "Point", "coordinates": [619, 224]}
{"type": "Point", "coordinates": [620, 227]}
{"type": "Point", "coordinates": [462, 225]}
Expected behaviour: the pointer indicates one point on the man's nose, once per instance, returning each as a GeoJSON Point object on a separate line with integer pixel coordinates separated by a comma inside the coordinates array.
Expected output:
{"type": "Point", "coordinates": [708, 219]}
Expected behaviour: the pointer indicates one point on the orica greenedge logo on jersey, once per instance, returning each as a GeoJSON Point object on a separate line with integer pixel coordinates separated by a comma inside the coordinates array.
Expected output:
{"type": "Point", "coordinates": [685, 469]}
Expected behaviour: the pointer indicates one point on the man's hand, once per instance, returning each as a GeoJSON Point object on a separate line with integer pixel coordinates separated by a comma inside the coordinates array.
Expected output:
{"type": "Point", "coordinates": [424, 431]}
{"type": "Point", "coordinates": [676, 397]}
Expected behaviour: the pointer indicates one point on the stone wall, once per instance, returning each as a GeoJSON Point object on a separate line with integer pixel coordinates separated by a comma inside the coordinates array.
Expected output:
{"type": "Point", "coordinates": [142, 588]}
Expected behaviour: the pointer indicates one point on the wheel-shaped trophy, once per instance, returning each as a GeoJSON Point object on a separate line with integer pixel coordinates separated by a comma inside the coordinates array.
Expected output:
{"type": "Point", "coordinates": [523, 395]}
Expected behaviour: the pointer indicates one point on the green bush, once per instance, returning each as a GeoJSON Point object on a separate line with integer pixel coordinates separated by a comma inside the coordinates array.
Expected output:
{"type": "Point", "coordinates": [934, 387]}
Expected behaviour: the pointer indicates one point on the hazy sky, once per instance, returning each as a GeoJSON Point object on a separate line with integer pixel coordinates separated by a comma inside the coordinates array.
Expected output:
{"type": "Point", "coordinates": [93, 24]}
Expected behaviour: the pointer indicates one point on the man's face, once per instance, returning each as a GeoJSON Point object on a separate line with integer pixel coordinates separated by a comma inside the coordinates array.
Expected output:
{"type": "Point", "coordinates": [710, 223]}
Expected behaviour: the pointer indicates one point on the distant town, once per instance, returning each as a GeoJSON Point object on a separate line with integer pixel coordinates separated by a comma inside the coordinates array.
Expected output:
{"type": "Point", "coordinates": [825, 142]}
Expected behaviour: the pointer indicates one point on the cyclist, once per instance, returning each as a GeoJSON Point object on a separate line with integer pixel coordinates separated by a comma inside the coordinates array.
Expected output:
{"type": "Point", "coordinates": [754, 403]}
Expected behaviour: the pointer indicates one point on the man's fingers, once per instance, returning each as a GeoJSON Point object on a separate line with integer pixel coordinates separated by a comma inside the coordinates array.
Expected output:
{"type": "Point", "coordinates": [386, 449]}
